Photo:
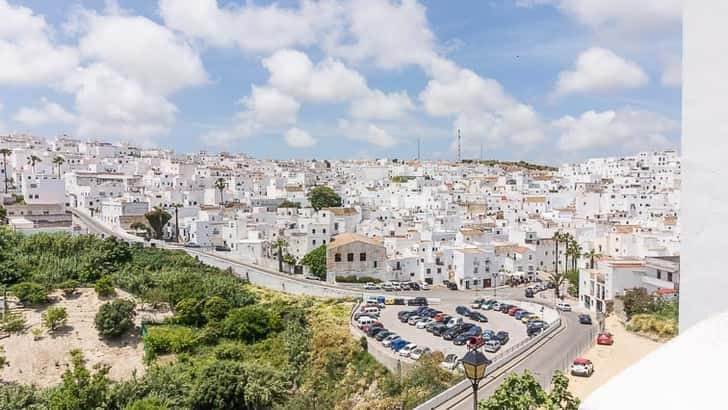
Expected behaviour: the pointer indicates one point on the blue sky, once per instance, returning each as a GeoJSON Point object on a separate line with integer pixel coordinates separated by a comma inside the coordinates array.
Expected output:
{"type": "Point", "coordinates": [542, 80]}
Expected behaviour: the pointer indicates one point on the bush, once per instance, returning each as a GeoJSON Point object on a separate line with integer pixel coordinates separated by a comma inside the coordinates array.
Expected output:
{"type": "Point", "coordinates": [114, 318]}
{"type": "Point", "coordinates": [356, 279]}
{"type": "Point", "coordinates": [29, 293]}
{"type": "Point", "coordinates": [105, 287]}
{"type": "Point", "coordinates": [216, 308]}
{"type": "Point", "coordinates": [69, 287]}
{"type": "Point", "coordinates": [250, 323]}
{"type": "Point", "coordinates": [188, 311]}
{"type": "Point", "coordinates": [653, 324]}
{"type": "Point", "coordinates": [13, 322]}
{"type": "Point", "coordinates": [54, 317]}
{"type": "Point", "coordinates": [169, 339]}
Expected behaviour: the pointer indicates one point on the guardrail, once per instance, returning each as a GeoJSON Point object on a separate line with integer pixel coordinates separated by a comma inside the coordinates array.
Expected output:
{"type": "Point", "coordinates": [499, 360]}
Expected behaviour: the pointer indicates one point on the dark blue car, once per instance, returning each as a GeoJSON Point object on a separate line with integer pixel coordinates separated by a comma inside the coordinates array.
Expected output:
{"type": "Point", "coordinates": [398, 344]}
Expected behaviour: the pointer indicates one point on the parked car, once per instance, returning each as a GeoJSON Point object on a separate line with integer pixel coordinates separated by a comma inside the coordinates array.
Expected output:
{"type": "Point", "coordinates": [373, 331]}
{"type": "Point", "coordinates": [455, 321]}
{"type": "Point", "coordinates": [563, 306]}
{"type": "Point", "coordinates": [405, 351]}
{"type": "Point", "coordinates": [424, 286]}
{"type": "Point", "coordinates": [372, 286]}
{"type": "Point", "coordinates": [419, 352]}
{"type": "Point", "coordinates": [462, 310]}
{"type": "Point", "coordinates": [478, 317]}
{"type": "Point", "coordinates": [581, 367]}
{"type": "Point", "coordinates": [477, 303]}
{"type": "Point", "coordinates": [452, 286]}
{"type": "Point", "coordinates": [387, 287]}
{"type": "Point", "coordinates": [505, 308]}
{"type": "Point", "coordinates": [528, 292]}
{"type": "Point", "coordinates": [537, 322]}
{"type": "Point", "coordinates": [311, 277]}
{"type": "Point", "coordinates": [366, 328]}
{"type": "Point", "coordinates": [383, 334]}
{"type": "Point", "coordinates": [535, 328]}
{"type": "Point", "coordinates": [520, 313]}
{"type": "Point", "coordinates": [404, 316]}
{"type": "Point", "coordinates": [492, 346]}
{"type": "Point", "coordinates": [463, 337]}
{"type": "Point", "coordinates": [439, 329]}
{"type": "Point", "coordinates": [475, 342]}
{"type": "Point", "coordinates": [605, 338]}
{"type": "Point", "coordinates": [444, 318]}
{"type": "Point", "coordinates": [412, 320]}
{"type": "Point", "coordinates": [529, 317]}
{"type": "Point", "coordinates": [502, 337]}
{"type": "Point", "coordinates": [389, 339]}
{"type": "Point", "coordinates": [415, 286]}
{"type": "Point", "coordinates": [397, 345]}
{"type": "Point", "coordinates": [512, 311]}
{"type": "Point", "coordinates": [422, 323]}
{"type": "Point", "coordinates": [488, 334]}
{"type": "Point", "coordinates": [456, 331]}
{"type": "Point", "coordinates": [496, 306]}
{"type": "Point", "coordinates": [488, 305]}
{"type": "Point", "coordinates": [396, 287]}
{"type": "Point", "coordinates": [450, 362]}
{"type": "Point", "coordinates": [585, 319]}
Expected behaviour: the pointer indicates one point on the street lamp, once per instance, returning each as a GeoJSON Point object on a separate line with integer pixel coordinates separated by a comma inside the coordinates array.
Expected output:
{"type": "Point", "coordinates": [474, 363]}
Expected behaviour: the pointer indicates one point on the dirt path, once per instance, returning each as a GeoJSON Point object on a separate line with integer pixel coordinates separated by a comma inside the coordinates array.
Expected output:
{"type": "Point", "coordinates": [608, 361]}
{"type": "Point", "coordinates": [42, 362]}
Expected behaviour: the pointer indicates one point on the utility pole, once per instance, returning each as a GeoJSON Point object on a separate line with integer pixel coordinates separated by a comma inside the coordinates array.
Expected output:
{"type": "Point", "coordinates": [418, 149]}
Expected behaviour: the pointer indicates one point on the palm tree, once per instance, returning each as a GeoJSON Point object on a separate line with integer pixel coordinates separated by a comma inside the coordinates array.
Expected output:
{"type": "Point", "coordinates": [280, 244]}
{"type": "Point", "coordinates": [566, 238]}
{"type": "Point", "coordinates": [58, 161]}
{"type": "Point", "coordinates": [5, 152]}
{"type": "Point", "coordinates": [32, 160]}
{"type": "Point", "coordinates": [556, 278]}
{"type": "Point", "coordinates": [592, 254]}
{"type": "Point", "coordinates": [220, 184]}
{"type": "Point", "coordinates": [176, 221]}
{"type": "Point", "coordinates": [575, 251]}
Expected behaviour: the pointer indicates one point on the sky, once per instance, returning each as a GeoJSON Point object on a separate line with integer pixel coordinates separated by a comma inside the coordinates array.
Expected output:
{"type": "Point", "coordinates": [549, 81]}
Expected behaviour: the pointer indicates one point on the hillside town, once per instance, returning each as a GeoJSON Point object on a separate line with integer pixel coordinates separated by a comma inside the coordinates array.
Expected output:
{"type": "Point", "coordinates": [469, 225]}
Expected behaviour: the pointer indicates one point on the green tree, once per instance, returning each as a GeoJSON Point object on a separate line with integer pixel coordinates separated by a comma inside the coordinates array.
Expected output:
{"type": "Point", "coordinates": [21, 396]}
{"type": "Point", "coordinates": [13, 322]}
{"type": "Point", "coordinates": [232, 385]}
{"type": "Point", "coordinates": [560, 398]}
{"type": "Point", "coordinates": [58, 161]}
{"type": "Point", "coordinates": [216, 308]}
{"type": "Point", "coordinates": [157, 219]}
{"type": "Point", "coordinates": [323, 197]}
{"type": "Point", "coordinates": [221, 184]}
{"type": "Point", "coordinates": [80, 389]}
{"type": "Point", "coordinates": [5, 152]}
{"type": "Point", "coordinates": [516, 393]}
{"type": "Point", "coordinates": [249, 323]}
{"type": "Point", "coordinates": [637, 301]}
{"type": "Point", "coordinates": [188, 311]}
{"type": "Point", "coordinates": [105, 287]}
{"type": "Point", "coordinates": [115, 318]}
{"type": "Point", "coordinates": [54, 317]}
{"type": "Point", "coordinates": [30, 293]}
{"type": "Point", "coordinates": [288, 204]}
{"type": "Point", "coordinates": [316, 261]}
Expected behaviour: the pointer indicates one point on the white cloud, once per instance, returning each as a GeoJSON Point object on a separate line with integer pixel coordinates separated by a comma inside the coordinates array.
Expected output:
{"type": "Point", "coordinates": [672, 75]}
{"type": "Point", "coordinates": [599, 69]}
{"type": "Point", "coordinates": [271, 106]}
{"type": "Point", "coordinates": [298, 138]}
{"type": "Point", "coordinates": [251, 27]}
{"type": "Point", "coordinates": [392, 34]}
{"type": "Point", "coordinates": [480, 107]}
{"type": "Point", "coordinates": [141, 49]}
{"type": "Point", "coordinates": [625, 15]}
{"type": "Point", "coordinates": [328, 81]}
{"type": "Point", "coordinates": [109, 104]}
{"type": "Point", "coordinates": [367, 132]}
{"type": "Point", "coordinates": [46, 113]}
{"type": "Point", "coordinates": [27, 54]}
{"type": "Point", "coordinates": [628, 128]}
{"type": "Point", "coordinates": [378, 105]}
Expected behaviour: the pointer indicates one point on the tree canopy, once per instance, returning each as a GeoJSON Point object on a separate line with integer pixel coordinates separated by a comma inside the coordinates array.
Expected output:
{"type": "Point", "coordinates": [157, 219]}
{"type": "Point", "coordinates": [316, 261]}
{"type": "Point", "coordinates": [114, 318]}
{"type": "Point", "coordinates": [323, 197]}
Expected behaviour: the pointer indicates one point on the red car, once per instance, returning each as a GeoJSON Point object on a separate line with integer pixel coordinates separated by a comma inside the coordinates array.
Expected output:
{"type": "Point", "coordinates": [366, 328]}
{"type": "Point", "coordinates": [605, 338]}
{"type": "Point", "coordinates": [512, 311]}
{"type": "Point", "coordinates": [475, 342]}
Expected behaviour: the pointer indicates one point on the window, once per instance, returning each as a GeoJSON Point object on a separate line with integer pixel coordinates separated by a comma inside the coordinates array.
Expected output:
{"type": "Point", "coordinates": [439, 270]}
{"type": "Point", "coordinates": [314, 241]}
{"type": "Point", "coordinates": [659, 274]}
{"type": "Point", "coordinates": [362, 257]}
{"type": "Point", "coordinates": [350, 257]}
{"type": "Point", "coordinates": [429, 271]}
{"type": "Point", "coordinates": [669, 276]}
{"type": "Point", "coordinates": [375, 264]}
{"type": "Point", "coordinates": [337, 257]}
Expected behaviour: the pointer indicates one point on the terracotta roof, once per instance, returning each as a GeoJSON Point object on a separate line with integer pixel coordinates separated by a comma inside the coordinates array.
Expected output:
{"type": "Point", "coordinates": [472, 232]}
{"type": "Point", "coordinates": [342, 211]}
{"type": "Point", "coordinates": [347, 238]}
{"type": "Point", "coordinates": [626, 228]}
{"type": "Point", "coordinates": [511, 248]}
{"type": "Point", "coordinates": [535, 199]}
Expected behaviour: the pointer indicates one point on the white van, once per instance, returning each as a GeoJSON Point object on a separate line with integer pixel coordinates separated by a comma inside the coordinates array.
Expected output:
{"type": "Point", "coordinates": [371, 311]}
{"type": "Point", "coordinates": [364, 320]}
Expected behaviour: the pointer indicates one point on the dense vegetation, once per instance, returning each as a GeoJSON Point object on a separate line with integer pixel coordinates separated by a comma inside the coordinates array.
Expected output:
{"type": "Point", "coordinates": [323, 197]}
{"type": "Point", "coordinates": [519, 164]}
{"type": "Point", "coordinates": [228, 345]}
{"type": "Point", "coordinates": [525, 393]}
{"type": "Point", "coordinates": [650, 313]}
{"type": "Point", "coordinates": [316, 261]}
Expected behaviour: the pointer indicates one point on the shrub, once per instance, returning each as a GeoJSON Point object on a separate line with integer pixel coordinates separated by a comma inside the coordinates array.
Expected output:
{"type": "Point", "coordinates": [54, 317]}
{"type": "Point", "coordinates": [105, 287]}
{"type": "Point", "coordinates": [188, 311]}
{"type": "Point", "coordinates": [250, 323]}
{"type": "Point", "coordinates": [29, 293]}
{"type": "Point", "coordinates": [69, 287]}
{"type": "Point", "coordinates": [13, 322]}
{"type": "Point", "coordinates": [169, 339]}
{"type": "Point", "coordinates": [37, 333]}
{"type": "Point", "coordinates": [216, 308]}
{"type": "Point", "coordinates": [356, 279]}
{"type": "Point", "coordinates": [114, 318]}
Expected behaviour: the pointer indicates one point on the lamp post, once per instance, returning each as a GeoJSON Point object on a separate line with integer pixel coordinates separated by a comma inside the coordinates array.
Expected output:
{"type": "Point", "coordinates": [474, 363]}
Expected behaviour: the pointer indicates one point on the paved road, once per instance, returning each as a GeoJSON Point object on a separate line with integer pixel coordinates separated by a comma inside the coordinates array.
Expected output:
{"type": "Point", "coordinates": [542, 362]}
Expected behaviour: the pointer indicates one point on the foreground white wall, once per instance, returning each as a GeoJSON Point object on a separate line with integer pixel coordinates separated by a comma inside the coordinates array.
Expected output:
{"type": "Point", "coordinates": [704, 219]}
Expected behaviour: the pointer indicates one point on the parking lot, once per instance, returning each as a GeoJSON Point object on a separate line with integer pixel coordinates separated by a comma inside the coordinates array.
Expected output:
{"type": "Point", "coordinates": [496, 321]}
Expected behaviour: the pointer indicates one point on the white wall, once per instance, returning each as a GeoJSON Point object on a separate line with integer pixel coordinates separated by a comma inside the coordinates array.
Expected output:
{"type": "Point", "coordinates": [705, 148]}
